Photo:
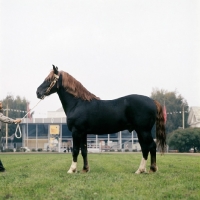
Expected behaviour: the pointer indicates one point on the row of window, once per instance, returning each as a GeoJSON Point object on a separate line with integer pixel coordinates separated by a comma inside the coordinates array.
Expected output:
{"type": "Point", "coordinates": [42, 131]}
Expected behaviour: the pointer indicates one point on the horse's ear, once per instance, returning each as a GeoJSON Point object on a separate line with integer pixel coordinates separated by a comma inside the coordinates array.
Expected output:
{"type": "Point", "coordinates": [55, 69]}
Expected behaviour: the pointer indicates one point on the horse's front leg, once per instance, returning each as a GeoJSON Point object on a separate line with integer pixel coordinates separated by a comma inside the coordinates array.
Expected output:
{"type": "Point", "coordinates": [86, 167]}
{"type": "Point", "coordinates": [75, 152]}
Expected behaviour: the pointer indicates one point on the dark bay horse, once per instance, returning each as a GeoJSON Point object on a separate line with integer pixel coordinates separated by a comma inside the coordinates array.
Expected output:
{"type": "Point", "coordinates": [87, 114]}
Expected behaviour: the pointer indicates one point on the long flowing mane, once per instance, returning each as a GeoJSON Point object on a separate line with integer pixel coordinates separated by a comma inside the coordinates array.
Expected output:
{"type": "Point", "coordinates": [73, 86]}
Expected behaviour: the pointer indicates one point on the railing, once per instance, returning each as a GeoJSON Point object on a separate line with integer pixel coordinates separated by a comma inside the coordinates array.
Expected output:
{"type": "Point", "coordinates": [44, 120]}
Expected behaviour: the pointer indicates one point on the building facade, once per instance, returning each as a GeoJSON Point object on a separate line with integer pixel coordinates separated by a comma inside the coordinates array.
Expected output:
{"type": "Point", "coordinates": [194, 117]}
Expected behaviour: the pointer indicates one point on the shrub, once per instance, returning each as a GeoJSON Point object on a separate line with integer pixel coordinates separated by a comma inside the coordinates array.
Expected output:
{"type": "Point", "coordinates": [33, 150]}
{"type": "Point", "coordinates": [40, 149]}
{"type": "Point", "coordinates": [119, 150]}
{"type": "Point", "coordinates": [8, 150]}
{"type": "Point", "coordinates": [185, 139]}
{"type": "Point", "coordinates": [126, 150]}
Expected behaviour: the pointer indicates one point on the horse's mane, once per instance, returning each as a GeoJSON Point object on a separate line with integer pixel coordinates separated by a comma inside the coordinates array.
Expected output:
{"type": "Point", "coordinates": [73, 86]}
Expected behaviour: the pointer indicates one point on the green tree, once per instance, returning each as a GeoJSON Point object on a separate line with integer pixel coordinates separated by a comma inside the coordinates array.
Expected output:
{"type": "Point", "coordinates": [15, 108]}
{"type": "Point", "coordinates": [174, 104]}
{"type": "Point", "coordinates": [185, 139]}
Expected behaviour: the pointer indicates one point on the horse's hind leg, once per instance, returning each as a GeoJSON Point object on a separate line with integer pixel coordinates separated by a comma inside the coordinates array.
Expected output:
{"type": "Point", "coordinates": [153, 167]}
{"type": "Point", "coordinates": [75, 152]}
{"type": "Point", "coordinates": [84, 153]}
{"type": "Point", "coordinates": [147, 145]}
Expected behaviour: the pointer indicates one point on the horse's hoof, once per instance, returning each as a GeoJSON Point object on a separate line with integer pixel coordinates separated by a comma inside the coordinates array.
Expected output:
{"type": "Point", "coordinates": [153, 169]}
{"type": "Point", "coordinates": [72, 171]}
{"type": "Point", "coordinates": [141, 171]}
{"type": "Point", "coordinates": [85, 170]}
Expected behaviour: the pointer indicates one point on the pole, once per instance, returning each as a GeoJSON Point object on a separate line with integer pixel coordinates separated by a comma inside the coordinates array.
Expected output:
{"type": "Point", "coordinates": [27, 131]}
{"type": "Point", "coordinates": [96, 141]}
{"type": "Point", "coordinates": [7, 126]}
{"type": "Point", "coordinates": [36, 144]}
{"type": "Point", "coordinates": [120, 139]}
{"type": "Point", "coordinates": [132, 139]}
{"type": "Point", "coordinates": [183, 116]}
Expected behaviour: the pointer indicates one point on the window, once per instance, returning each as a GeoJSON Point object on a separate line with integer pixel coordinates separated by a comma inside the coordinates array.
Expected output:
{"type": "Point", "coordinates": [31, 131]}
{"type": "Point", "coordinates": [66, 133]}
{"type": "Point", "coordinates": [42, 131]}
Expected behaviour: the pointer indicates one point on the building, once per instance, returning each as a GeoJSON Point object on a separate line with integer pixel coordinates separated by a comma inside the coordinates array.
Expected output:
{"type": "Point", "coordinates": [52, 134]}
{"type": "Point", "coordinates": [194, 117]}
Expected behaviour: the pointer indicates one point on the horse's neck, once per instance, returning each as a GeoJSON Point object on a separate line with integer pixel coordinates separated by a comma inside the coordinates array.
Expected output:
{"type": "Point", "coordinates": [68, 101]}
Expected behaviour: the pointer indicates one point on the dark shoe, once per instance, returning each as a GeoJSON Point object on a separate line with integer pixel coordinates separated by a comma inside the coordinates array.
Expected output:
{"type": "Point", "coordinates": [2, 169]}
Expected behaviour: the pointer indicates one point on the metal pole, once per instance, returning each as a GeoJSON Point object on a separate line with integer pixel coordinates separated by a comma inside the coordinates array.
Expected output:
{"type": "Point", "coordinates": [60, 140]}
{"type": "Point", "coordinates": [183, 116]}
{"type": "Point", "coordinates": [7, 126]}
{"type": "Point", "coordinates": [36, 148]}
{"type": "Point", "coordinates": [96, 141]}
{"type": "Point", "coordinates": [120, 139]}
{"type": "Point", "coordinates": [8, 97]}
{"type": "Point", "coordinates": [27, 131]}
{"type": "Point", "coordinates": [132, 140]}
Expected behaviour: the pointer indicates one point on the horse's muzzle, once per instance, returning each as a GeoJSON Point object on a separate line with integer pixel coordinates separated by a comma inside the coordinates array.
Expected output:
{"type": "Point", "coordinates": [39, 96]}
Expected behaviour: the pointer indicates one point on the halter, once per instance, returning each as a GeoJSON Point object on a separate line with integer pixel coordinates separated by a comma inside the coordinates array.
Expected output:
{"type": "Point", "coordinates": [56, 77]}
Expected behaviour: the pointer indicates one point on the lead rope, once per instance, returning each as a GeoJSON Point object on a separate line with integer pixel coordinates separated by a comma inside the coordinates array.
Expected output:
{"type": "Point", "coordinates": [18, 126]}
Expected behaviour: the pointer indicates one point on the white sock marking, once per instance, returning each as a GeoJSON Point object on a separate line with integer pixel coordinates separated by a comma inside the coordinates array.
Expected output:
{"type": "Point", "coordinates": [142, 167]}
{"type": "Point", "coordinates": [73, 168]}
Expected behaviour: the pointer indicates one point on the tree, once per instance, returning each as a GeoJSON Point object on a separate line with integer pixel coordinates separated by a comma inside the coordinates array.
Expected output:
{"type": "Point", "coordinates": [185, 139]}
{"type": "Point", "coordinates": [174, 104]}
{"type": "Point", "coordinates": [15, 108]}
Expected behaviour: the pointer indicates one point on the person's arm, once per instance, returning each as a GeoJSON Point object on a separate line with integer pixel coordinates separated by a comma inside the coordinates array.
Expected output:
{"type": "Point", "coordinates": [8, 120]}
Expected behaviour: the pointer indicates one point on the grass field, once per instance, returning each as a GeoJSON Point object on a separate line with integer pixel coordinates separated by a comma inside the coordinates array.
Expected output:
{"type": "Point", "coordinates": [44, 176]}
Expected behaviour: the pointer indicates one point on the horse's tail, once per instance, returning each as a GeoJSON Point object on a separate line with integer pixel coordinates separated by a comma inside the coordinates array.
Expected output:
{"type": "Point", "coordinates": [160, 127]}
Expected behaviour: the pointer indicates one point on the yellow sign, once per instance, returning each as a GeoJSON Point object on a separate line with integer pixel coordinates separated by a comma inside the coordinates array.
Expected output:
{"type": "Point", "coordinates": [54, 129]}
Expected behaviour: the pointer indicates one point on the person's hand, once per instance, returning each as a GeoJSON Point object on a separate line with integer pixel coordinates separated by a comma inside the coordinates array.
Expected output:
{"type": "Point", "coordinates": [17, 121]}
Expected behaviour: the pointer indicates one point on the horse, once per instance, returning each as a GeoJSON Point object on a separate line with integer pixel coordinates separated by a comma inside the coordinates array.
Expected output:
{"type": "Point", "coordinates": [88, 114]}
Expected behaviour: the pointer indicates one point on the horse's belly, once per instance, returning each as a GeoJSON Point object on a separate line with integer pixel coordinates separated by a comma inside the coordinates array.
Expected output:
{"type": "Point", "coordinates": [106, 126]}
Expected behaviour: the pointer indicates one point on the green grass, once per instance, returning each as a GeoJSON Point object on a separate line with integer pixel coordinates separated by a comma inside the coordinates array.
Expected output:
{"type": "Point", "coordinates": [44, 176]}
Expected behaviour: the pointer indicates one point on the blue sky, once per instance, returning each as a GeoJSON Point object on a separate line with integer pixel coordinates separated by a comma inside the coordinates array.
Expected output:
{"type": "Point", "coordinates": [114, 48]}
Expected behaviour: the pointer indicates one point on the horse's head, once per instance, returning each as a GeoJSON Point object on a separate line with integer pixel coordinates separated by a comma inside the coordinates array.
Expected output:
{"type": "Point", "coordinates": [49, 85]}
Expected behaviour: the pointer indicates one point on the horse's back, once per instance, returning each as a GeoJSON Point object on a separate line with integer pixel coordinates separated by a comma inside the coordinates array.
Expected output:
{"type": "Point", "coordinates": [140, 103]}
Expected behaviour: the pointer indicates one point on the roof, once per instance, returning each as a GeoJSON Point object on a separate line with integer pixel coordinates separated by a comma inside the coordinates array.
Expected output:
{"type": "Point", "coordinates": [60, 110]}
{"type": "Point", "coordinates": [56, 114]}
